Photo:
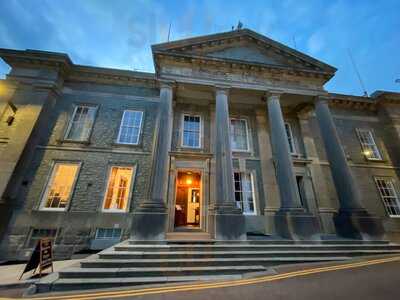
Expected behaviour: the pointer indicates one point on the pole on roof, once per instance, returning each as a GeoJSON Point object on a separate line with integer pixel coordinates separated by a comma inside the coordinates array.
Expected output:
{"type": "Point", "coordinates": [169, 32]}
{"type": "Point", "coordinates": [358, 73]}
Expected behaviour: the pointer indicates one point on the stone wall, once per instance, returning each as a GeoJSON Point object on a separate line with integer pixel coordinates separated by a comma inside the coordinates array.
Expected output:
{"type": "Point", "coordinates": [77, 225]}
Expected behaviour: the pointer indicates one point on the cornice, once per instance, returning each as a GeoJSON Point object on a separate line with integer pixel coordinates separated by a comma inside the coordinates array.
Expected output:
{"type": "Point", "coordinates": [239, 65]}
{"type": "Point", "coordinates": [93, 74]}
{"type": "Point", "coordinates": [238, 35]}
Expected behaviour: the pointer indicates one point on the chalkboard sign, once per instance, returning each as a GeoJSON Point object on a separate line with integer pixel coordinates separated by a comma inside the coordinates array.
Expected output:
{"type": "Point", "coordinates": [41, 257]}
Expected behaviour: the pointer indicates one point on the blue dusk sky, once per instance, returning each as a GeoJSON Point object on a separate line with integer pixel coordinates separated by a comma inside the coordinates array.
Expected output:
{"type": "Point", "coordinates": [119, 33]}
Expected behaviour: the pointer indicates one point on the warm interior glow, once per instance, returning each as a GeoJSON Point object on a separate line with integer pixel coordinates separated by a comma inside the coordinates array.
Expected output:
{"type": "Point", "coordinates": [367, 152]}
{"type": "Point", "coordinates": [189, 181]}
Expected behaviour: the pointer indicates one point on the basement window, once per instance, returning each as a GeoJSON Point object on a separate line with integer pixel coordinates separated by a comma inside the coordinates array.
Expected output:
{"type": "Point", "coordinates": [108, 233]}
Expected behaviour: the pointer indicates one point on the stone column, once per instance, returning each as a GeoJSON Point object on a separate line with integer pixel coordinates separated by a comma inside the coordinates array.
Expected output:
{"type": "Point", "coordinates": [349, 196]}
{"type": "Point", "coordinates": [164, 139]}
{"type": "Point", "coordinates": [150, 220]}
{"type": "Point", "coordinates": [223, 153]}
{"type": "Point", "coordinates": [229, 222]}
{"type": "Point", "coordinates": [290, 199]}
{"type": "Point", "coordinates": [324, 200]}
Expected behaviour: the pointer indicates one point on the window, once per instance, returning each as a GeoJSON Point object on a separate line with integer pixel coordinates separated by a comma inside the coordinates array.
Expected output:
{"type": "Point", "coordinates": [289, 134]}
{"type": "Point", "coordinates": [301, 190]}
{"type": "Point", "coordinates": [131, 124]}
{"type": "Point", "coordinates": [60, 186]}
{"type": "Point", "coordinates": [191, 131]}
{"type": "Point", "coordinates": [388, 195]}
{"type": "Point", "coordinates": [118, 189]}
{"type": "Point", "coordinates": [37, 234]}
{"type": "Point", "coordinates": [244, 192]}
{"type": "Point", "coordinates": [239, 137]}
{"type": "Point", "coordinates": [108, 233]}
{"type": "Point", "coordinates": [368, 145]}
{"type": "Point", "coordinates": [81, 123]}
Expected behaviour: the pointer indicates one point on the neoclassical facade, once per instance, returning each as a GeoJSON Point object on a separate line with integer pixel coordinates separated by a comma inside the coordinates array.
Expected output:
{"type": "Point", "coordinates": [232, 137]}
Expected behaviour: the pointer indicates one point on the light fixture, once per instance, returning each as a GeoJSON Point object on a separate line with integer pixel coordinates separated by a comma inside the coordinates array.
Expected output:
{"type": "Point", "coordinates": [189, 181]}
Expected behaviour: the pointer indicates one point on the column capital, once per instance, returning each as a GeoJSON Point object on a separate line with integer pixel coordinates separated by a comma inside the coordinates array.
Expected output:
{"type": "Point", "coordinates": [222, 89]}
{"type": "Point", "coordinates": [165, 83]}
{"type": "Point", "coordinates": [322, 98]}
{"type": "Point", "coordinates": [273, 94]}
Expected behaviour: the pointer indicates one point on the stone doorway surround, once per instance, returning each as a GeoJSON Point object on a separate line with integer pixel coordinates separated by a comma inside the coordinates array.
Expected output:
{"type": "Point", "coordinates": [195, 165]}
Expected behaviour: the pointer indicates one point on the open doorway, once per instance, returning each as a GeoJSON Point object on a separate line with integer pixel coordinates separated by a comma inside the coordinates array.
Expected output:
{"type": "Point", "coordinates": [188, 200]}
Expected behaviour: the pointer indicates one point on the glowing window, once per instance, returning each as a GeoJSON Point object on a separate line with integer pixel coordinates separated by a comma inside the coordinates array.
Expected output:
{"type": "Point", "coordinates": [118, 189]}
{"type": "Point", "coordinates": [60, 186]}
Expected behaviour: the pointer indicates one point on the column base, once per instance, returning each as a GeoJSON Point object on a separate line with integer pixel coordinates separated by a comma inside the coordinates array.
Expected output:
{"type": "Point", "coordinates": [358, 224]}
{"type": "Point", "coordinates": [229, 227]}
{"type": "Point", "coordinates": [297, 225]}
{"type": "Point", "coordinates": [149, 225]}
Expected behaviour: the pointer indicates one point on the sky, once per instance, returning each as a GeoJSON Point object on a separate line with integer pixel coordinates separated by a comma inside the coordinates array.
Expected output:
{"type": "Point", "coordinates": [119, 33]}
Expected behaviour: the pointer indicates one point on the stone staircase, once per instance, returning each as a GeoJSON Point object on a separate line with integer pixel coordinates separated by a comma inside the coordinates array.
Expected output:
{"type": "Point", "coordinates": [144, 262]}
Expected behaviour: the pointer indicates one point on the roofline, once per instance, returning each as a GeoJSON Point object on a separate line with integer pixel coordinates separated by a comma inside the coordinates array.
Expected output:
{"type": "Point", "coordinates": [13, 57]}
{"type": "Point", "coordinates": [229, 34]}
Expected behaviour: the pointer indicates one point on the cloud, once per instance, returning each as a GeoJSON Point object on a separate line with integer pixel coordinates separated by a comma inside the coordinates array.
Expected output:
{"type": "Point", "coordinates": [119, 34]}
{"type": "Point", "coordinates": [315, 43]}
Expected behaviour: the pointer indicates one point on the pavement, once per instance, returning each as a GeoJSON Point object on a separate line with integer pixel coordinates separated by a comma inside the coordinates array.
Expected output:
{"type": "Point", "coordinates": [368, 279]}
{"type": "Point", "coordinates": [9, 275]}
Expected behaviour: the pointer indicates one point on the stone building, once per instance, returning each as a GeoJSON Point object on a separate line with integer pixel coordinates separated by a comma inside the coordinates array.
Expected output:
{"type": "Point", "coordinates": [233, 136]}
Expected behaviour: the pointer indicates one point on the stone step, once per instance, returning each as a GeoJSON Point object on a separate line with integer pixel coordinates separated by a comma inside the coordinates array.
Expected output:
{"type": "Point", "coordinates": [64, 284]}
{"type": "Point", "coordinates": [254, 242]}
{"type": "Point", "coordinates": [233, 254]}
{"type": "Point", "coordinates": [198, 262]}
{"type": "Point", "coordinates": [230, 247]}
{"type": "Point", "coordinates": [77, 272]}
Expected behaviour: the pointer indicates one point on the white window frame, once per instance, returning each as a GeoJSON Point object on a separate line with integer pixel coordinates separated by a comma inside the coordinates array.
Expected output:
{"type": "Point", "coordinates": [254, 213]}
{"type": "Point", "coordinates": [50, 179]}
{"type": "Point", "coordinates": [291, 138]}
{"type": "Point", "coordinates": [105, 239]}
{"type": "Point", "coordinates": [383, 197]}
{"type": "Point", "coordinates": [247, 135]}
{"type": "Point", "coordinates": [113, 210]}
{"type": "Point", "coordinates": [140, 127]}
{"type": "Point", "coordinates": [200, 132]}
{"type": "Point", "coordinates": [71, 121]}
{"type": "Point", "coordinates": [364, 146]}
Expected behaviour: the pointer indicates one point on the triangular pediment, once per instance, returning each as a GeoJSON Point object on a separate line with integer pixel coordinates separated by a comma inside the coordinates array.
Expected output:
{"type": "Point", "coordinates": [243, 46]}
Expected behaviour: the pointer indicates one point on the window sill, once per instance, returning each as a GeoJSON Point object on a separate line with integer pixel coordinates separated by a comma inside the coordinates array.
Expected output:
{"type": "Point", "coordinates": [87, 142]}
{"type": "Point", "coordinates": [375, 160]}
{"type": "Point", "coordinates": [115, 211]}
{"type": "Point", "coordinates": [122, 145]}
{"type": "Point", "coordinates": [52, 209]}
